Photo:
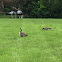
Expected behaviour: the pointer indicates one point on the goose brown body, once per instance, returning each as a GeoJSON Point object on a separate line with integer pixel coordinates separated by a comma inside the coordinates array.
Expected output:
{"type": "Point", "coordinates": [22, 34]}
{"type": "Point", "coordinates": [46, 28]}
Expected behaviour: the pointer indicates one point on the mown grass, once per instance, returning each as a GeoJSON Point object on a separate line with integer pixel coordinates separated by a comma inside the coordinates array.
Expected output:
{"type": "Point", "coordinates": [39, 46]}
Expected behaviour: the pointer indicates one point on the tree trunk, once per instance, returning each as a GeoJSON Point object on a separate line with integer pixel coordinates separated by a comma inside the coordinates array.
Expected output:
{"type": "Point", "coordinates": [2, 4]}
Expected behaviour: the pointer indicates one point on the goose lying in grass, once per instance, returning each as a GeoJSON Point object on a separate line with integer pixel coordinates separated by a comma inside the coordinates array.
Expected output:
{"type": "Point", "coordinates": [22, 34]}
{"type": "Point", "coordinates": [46, 28]}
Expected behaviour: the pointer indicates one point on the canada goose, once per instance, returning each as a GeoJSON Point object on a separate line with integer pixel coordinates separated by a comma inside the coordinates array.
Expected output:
{"type": "Point", "coordinates": [46, 28]}
{"type": "Point", "coordinates": [22, 34]}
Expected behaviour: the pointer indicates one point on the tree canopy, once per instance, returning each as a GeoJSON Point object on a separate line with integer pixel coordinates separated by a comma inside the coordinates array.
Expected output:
{"type": "Point", "coordinates": [34, 8]}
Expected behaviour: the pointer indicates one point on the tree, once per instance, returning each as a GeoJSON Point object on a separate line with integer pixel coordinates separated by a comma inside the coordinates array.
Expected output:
{"type": "Point", "coordinates": [52, 8]}
{"type": "Point", "coordinates": [34, 8]}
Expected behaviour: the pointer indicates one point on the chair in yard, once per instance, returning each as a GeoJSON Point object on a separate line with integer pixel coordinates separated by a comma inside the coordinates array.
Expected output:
{"type": "Point", "coordinates": [19, 13]}
{"type": "Point", "coordinates": [12, 13]}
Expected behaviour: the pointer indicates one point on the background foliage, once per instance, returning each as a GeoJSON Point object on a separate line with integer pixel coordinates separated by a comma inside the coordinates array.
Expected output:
{"type": "Point", "coordinates": [34, 8]}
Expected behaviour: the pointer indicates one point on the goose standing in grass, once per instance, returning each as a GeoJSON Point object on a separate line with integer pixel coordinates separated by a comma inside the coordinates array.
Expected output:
{"type": "Point", "coordinates": [46, 28]}
{"type": "Point", "coordinates": [22, 34]}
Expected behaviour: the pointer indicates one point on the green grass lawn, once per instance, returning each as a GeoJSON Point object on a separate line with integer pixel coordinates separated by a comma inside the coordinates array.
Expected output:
{"type": "Point", "coordinates": [39, 46]}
